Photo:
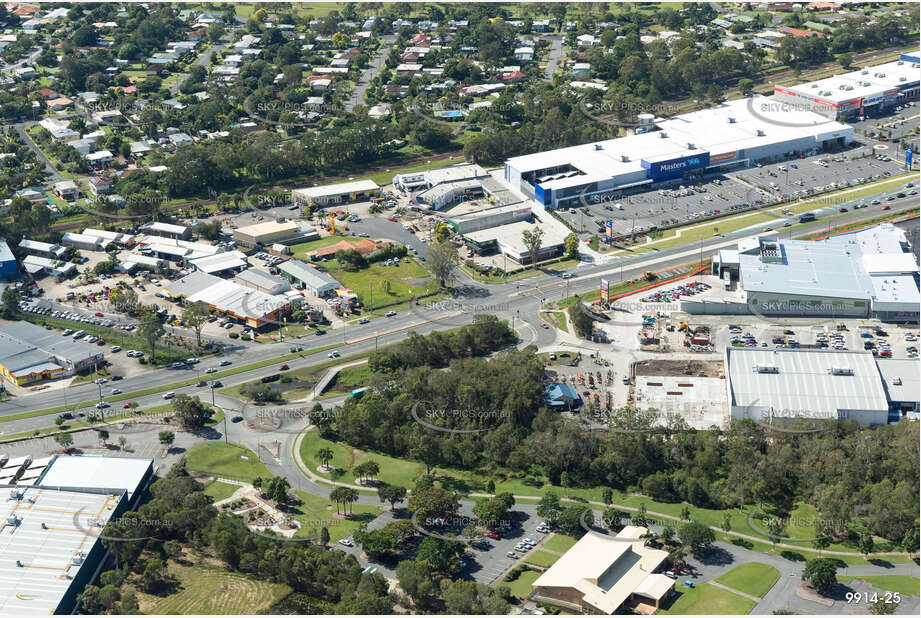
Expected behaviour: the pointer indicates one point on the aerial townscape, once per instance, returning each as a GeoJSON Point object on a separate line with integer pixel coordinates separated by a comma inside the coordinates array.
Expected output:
{"type": "Point", "coordinates": [460, 308]}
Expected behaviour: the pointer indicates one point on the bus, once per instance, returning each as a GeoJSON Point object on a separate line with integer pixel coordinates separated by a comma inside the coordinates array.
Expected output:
{"type": "Point", "coordinates": [806, 218]}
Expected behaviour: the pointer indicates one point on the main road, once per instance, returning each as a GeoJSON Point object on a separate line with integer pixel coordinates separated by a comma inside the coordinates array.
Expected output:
{"type": "Point", "coordinates": [517, 302]}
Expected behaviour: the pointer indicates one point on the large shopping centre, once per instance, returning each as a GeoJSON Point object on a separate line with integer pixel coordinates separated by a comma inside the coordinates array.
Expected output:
{"type": "Point", "coordinates": [733, 135]}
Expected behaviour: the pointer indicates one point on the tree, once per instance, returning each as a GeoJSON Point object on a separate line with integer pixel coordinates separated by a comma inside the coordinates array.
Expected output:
{"type": "Point", "coordinates": [433, 502]}
{"type": "Point", "coordinates": [442, 231]}
{"type": "Point", "coordinates": [343, 496]}
{"type": "Point", "coordinates": [10, 299]}
{"type": "Point", "coordinates": [166, 438]}
{"type": "Point", "coordinates": [571, 242]}
{"type": "Point", "coordinates": [911, 541]}
{"type": "Point", "coordinates": [195, 317]}
{"type": "Point", "coordinates": [65, 440]}
{"type": "Point", "coordinates": [443, 261]}
{"type": "Point", "coordinates": [103, 436]}
{"type": "Point", "coordinates": [154, 578]}
{"type": "Point", "coordinates": [698, 537]}
{"type": "Point", "coordinates": [880, 607]}
{"type": "Point", "coordinates": [190, 411]}
{"type": "Point", "coordinates": [392, 494]}
{"type": "Point", "coordinates": [573, 518]}
{"type": "Point", "coordinates": [532, 240]}
{"type": "Point", "coordinates": [727, 522]}
{"type": "Point", "coordinates": [820, 573]}
{"type": "Point", "coordinates": [607, 496]}
{"type": "Point", "coordinates": [865, 544]}
{"type": "Point", "coordinates": [277, 489]}
{"type": "Point", "coordinates": [612, 519]}
{"type": "Point", "coordinates": [324, 536]}
{"type": "Point", "coordinates": [491, 511]}
{"type": "Point", "coordinates": [440, 555]}
{"type": "Point", "coordinates": [366, 470]}
{"type": "Point", "coordinates": [846, 59]}
{"type": "Point", "coordinates": [685, 513]}
{"type": "Point", "coordinates": [324, 456]}
{"type": "Point", "coordinates": [549, 507]}
{"type": "Point", "coordinates": [150, 329]}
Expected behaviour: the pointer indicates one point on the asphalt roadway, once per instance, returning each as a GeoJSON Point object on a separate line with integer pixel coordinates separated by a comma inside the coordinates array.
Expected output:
{"type": "Point", "coordinates": [518, 302]}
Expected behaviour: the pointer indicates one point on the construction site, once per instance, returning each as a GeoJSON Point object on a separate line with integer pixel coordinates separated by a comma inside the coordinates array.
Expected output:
{"type": "Point", "coordinates": [681, 392]}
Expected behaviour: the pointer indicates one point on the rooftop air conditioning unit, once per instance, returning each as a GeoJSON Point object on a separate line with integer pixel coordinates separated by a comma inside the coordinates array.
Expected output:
{"type": "Point", "coordinates": [760, 133]}
{"type": "Point", "coordinates": [842, 371]}
{"type": "Point", "coordinates": [691, 146]}
{"type": "Point", "coordinates": [767, 369]}
{"type": "Point", "coordinates": [865, 72]}
{"type": "Point", "coordinates": [900, 63]}
{"type": "Point", "coordinates": [731, 120]}
{"type": "Point", "coordinates": [599, 147]}
{"type": "Point", "coordinates": [663, 135]}
{"type": "Point", "coordinates": [902, 79]}
{"type": "Point", "coordinates": [624, 158]}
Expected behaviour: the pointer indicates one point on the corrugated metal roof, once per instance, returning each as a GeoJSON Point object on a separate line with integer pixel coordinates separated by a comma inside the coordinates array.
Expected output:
{"type": "Point", "coordinates": [805, 383]}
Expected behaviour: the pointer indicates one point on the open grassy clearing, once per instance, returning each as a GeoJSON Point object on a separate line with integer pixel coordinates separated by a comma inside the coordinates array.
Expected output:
{"type": "Point", "coordinates": [379, 285]}
{"type": "Point", "coordinates": [541, 558]}
{"type": "Point", "coordinates": [559, 542]}
{"type": "Point", "coordinates": [219, 491]}
{"type": "Point", "coordinates": [903, 584]}
{"type": "Point", "coordinates": [751, 578]}
{"type": "Point", "coordinates": [315, 513]}
{"type": "Point", "coordinates": [707, 599]}
{"type": "Point", "coordinates": [521, 585]}
{"type": "Point", "coordinates": [227, 460]}
{"type": "Point", "coordinates": [204, 590]}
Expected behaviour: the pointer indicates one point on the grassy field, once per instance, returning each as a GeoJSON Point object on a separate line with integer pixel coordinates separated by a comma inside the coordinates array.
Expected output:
{"type": "Point", "coordinates": [521, 586]}
{"type": "Point", "coordinates": [541, 558]}
{"type": "Point", "coordinates": [309, 376]}
{"type": "Point", "coordinates": [559, 542]}
{"type": "Point", "coordinates": [218, 490]}
{"type": "Point", "coordinates": [315, 513]}
{"type": "Point", "coordinates": [302, 249]}
{"type": "Point", "coordinates": [525, 273]}
{"type": "Point", "coordinates": [205, 590]}
{"type": "Point", "coordinates": [220, 459]}
{"type": "Point", "coordinates": [706, 599]}
{"type": "Point", "coordinates": [752, 578]}
{"type": "Point", "coordinates": [379, 285]}
{"type": "Point", "coordinates": [903, 584]}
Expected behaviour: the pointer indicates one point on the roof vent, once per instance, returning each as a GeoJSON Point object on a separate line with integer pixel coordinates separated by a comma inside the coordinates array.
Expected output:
{"type": "Point", "coordinates": [842, 371]}
{"type": "Point", "coordinates": [896, 381]}
{"type": "Point", "coordinates": [767, 369]}
{"type": "Point", "coordinates": [599, 147]}
{"type": "Point", "coordinates": [900, 63]}
{"type": "Point", "coordinates": [691, 146]}
{"type": "Point", "coordinates": [731, 120]}
{"type": "Point", "coordinates": [624, 158]}
{"type": "Point", "coordinates": [662, 134]}
{"type": "Point", "coordinates": [759, 133]}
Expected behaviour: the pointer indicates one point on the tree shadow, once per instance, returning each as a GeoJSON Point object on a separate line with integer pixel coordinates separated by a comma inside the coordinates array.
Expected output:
{"type": "Point", "coordinates": [793, 556]}
{"type": "Point", "coordinates": [715, 556]}
{"type": "Point", "coordinates": [879, 562]}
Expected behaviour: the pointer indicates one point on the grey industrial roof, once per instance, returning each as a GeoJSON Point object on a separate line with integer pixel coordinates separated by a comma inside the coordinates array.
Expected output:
{"type": "Point", "coordinates": [121, 473]}
{"type": "Point", "coordinates": [46, 541]}
{"type": "Point", "coordinates": [263, 279]}
{"type": "Point", "coordinates": [308, 274]}
{"type": "Point", "coordinates": [804, 382]}
{"type": "Point", "coordinates": [901, 378]}
{"type": "Point", "coordinates": [852, 266]}
{"type": "Point", "coordinates": [338, 189]}
{"type": "Point", "coordinates": [22, 343]}
{"type": "Point", "coordinates": [220, 262]}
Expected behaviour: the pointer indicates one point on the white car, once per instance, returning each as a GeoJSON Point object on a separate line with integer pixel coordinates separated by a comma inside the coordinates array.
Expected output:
{"type": "Point", "coordinates": [210, 370]}
{"type": "Point", "coordinates": [116, 391]}
{"type": "Point", "coordinates": [115, 348]}
{"type": "Point", "coordinates": [333, 354]}
{"type": "Point", "coordinates": [346, 542]}
{"type": "Point", "coordinates": [169, 395]}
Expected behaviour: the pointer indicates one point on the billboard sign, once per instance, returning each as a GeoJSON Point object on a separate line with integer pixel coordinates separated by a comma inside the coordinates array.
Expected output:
{"type": "Point", "coordinates": [675, 168]}
{"type": "Point", "coordinates": [908, 154]}
{"type": "Point", "coordinates": [604, 290]}
{"type": "Point", "coordinates": [609, 231]}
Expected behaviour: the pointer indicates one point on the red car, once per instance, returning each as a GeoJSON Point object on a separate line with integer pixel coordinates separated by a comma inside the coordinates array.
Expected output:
{"type": "Point", "coordinates": [98, 314]}
{"type": "Point", "coordinates": [886, 207]}
{"type": "Point", "coordinates": [283, 367]}
{"type": "Point", "coordinates": [544, 325]}
{"type": "Point", "coordinates": [394, 219]}
{"type": "Point", "coordinates": [127, 404]}
{"type": "Point", "coordinates": [494, 534]}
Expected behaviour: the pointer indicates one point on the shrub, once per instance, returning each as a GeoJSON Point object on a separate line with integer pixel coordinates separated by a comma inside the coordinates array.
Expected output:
{"type": "Point", "coordinates": [234, 335]}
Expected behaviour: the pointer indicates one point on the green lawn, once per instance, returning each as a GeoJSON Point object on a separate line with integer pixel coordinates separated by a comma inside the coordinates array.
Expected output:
{"type": "Point", "coordinates": [221, 459]}
{"type": "Point", "coordinates": [751, 578]}
{"type": "Point", "coordinates": [541, 558]}
{"type": "Point", "coordinates": [302, 249]}
{"type": "Point", "coordinates": [559, 542]}
{"type": "Point", "coordinates": [556, 318]}
{"type": "Point", "coordinates": [393, 471]}
{"type": "Point", "coordinates": [218, 490]}
{"type": "Point", "coordinates": [379, 285]}
{"type": "Point", "coordinates": [211, 590]}
{"type": "Point", "coordinates": [707, 599]}
{"type": "Point", "coordinates": [315, 513]}
{"type": "Point", "coordinates": [521, 586]}
{"type": "Point", "coordinates": [903, 584]}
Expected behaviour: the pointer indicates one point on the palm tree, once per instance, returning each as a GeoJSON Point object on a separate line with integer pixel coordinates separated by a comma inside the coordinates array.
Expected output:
{"type": "Point", "coordinates": [339, 495]}
{"type": "Point", "coordinates": [324, 455]}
